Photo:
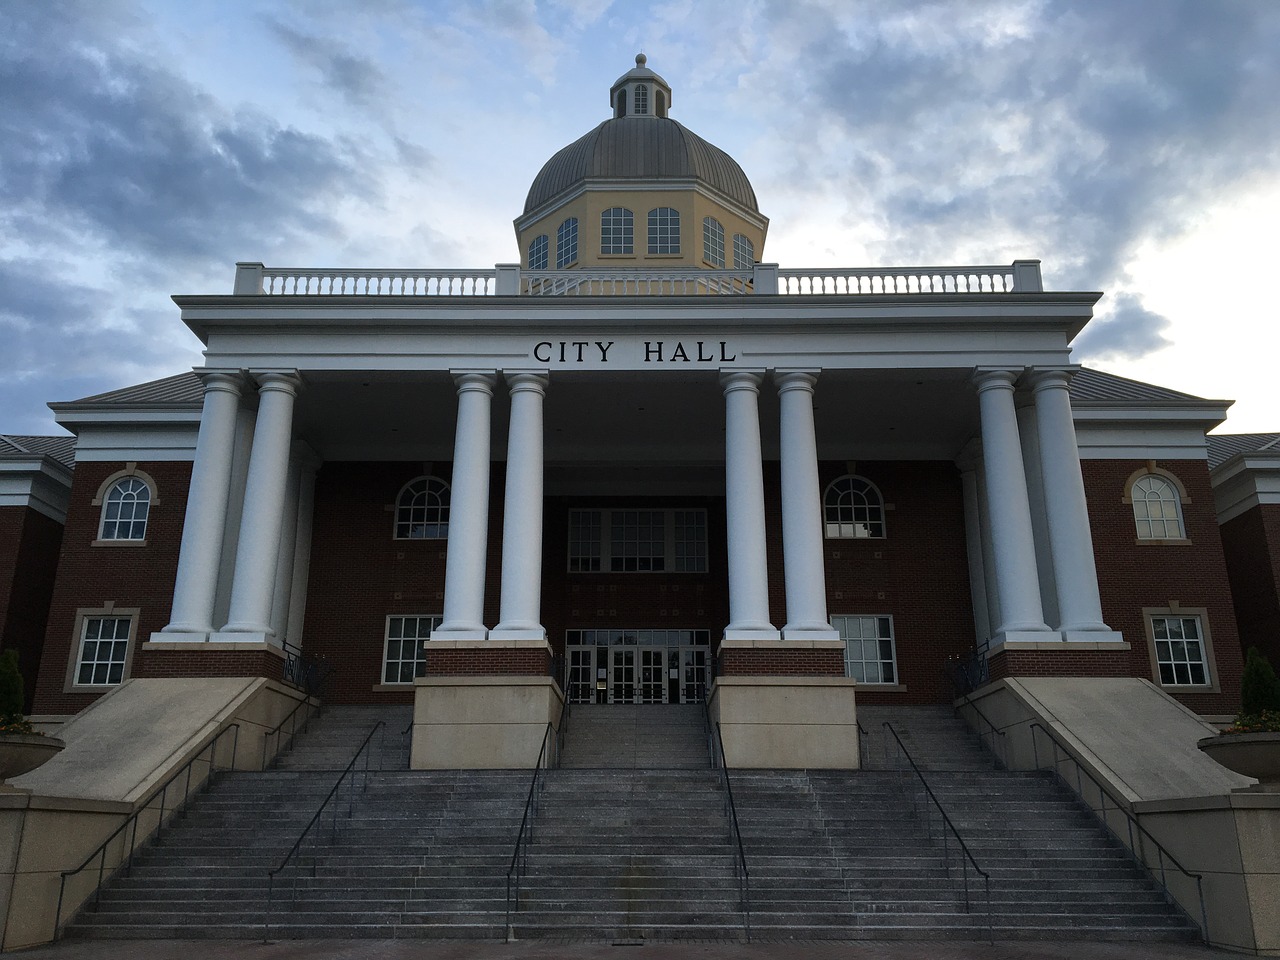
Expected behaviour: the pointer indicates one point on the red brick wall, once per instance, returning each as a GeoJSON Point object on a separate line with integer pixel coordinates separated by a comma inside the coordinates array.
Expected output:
{"type": "Point", "coordinates": [29, 545]}
{"type": "Point", "coordinates": [1251, 543]}
{"type": "Point", "coordinates": [500, 662]}
{"type": "Point", "coordinates": [1134, 575]}
{"type": "Point", "coordinates": [752, 662]}
{"type": "Point", "coordinates": [89, 576]}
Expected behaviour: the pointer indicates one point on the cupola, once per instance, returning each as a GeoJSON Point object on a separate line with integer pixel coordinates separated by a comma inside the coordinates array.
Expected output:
{"type": "Point", "coordinates": [640, 92]}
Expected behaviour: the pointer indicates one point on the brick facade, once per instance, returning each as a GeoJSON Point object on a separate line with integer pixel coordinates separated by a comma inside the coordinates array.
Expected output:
{"type": "Point", "coordinates": [29, 546]}
{"type": "Point", "coordinates": [1251, 544]}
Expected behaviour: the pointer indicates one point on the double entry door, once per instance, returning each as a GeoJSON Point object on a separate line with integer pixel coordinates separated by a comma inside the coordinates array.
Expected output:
{"type": "Point", "coordinates": [636, 674]}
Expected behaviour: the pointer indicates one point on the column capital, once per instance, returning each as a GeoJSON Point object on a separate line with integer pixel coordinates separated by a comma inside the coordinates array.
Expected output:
{"type": "Point", "coordinates": [732, 380]}
{"type": "Point", "coordinates": [279, 381]}
{"type": "Point", "coordinates": [527, 381]}
{"type": "Point", "coordinates": [478, 381]}
{"type": "Point", "coordinates": [995, 378]}
{"type": "Point", "coordinates": [1050, 378]}
{"type": "Point", "coordinates": [222, 381]}
{"type": "Point", "coordinates": [795, 379]}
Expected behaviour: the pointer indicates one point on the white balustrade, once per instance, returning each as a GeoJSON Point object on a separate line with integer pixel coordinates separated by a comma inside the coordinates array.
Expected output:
{"type": "Point", "coordinates": [291, 281]}
{"type": "Point", "coordinates": [910, 280]}
{"type": "Point", "coordinates": [633, 283]}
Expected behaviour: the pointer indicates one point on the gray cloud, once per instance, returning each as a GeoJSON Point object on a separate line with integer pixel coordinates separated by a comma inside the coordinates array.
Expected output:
{"type": "Point", "coordinates": [1127, 332]}
{"type": "Point", "coordinates": [356, 78]}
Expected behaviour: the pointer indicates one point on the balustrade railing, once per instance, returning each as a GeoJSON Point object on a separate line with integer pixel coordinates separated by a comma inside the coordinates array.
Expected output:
{"type": "Point", "coordinates": [867, 280]}
{"type": "Point", "coordinates": [292, 281]}
{"type": "Point", "coordinates": [634, 283]}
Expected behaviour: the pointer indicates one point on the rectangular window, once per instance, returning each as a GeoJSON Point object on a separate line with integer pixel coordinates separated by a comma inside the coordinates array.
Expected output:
{"type": "Point", "coordinates": [869, 655]}
{"type": "Point", "coordinates": [637, 541]}
{"type": "Point", "coordinates": [404, 656]}
{"type": "Point", "coordinates": [1180, 651]}
{"type": "Point", "coordinates": [104, 651]}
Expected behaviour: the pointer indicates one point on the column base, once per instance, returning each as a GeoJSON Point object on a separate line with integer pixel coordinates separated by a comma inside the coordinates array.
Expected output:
{"type": "Point", "coordinates": [1033, 635]}
{"type": "Point", "coordinates": [517, 632]}
{"type": "Point", "coordinates": [243, 636]}
{"type": "Point", "coordinates": [181, 635]}
{"type": "Point", "coordinates": [810, 631]}
{"type": "Point", "coordinates": [461, 631]}
{"type": "Point", "coordinates": [1091, 635]}
{"type": "Point", "coordinates": [751, 631]}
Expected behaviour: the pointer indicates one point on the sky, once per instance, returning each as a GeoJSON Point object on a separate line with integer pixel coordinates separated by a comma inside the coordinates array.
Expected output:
{"type": "Point", "coordinates": [147, 145]}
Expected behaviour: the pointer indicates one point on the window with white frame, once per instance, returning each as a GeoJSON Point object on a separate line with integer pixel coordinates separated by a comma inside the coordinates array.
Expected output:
{"type": "Point", "coordinates": [104, 650]}
{"type": "Point", "coordinates": [642, 99]}
{"type": "Point", "coordinates": [664, 230]}
{"type": "Point", "coordinates": [404, 655]}
{"type": "Point", "coordinates": [712, 241]}
{"type": "Point", "coordinates": [1157, 508]}
{"type": "Point", "coordinates": [567, 243]}
{"type": "Point", "coordinates": [1181, 656]}
{"type": "Point", "coordinates": [125, 509]}
{"type": "Point", "coordinates": [422, 510]}
{"type": "Point", "coordinates": [869, 654]}
{"type": "Point", "coordinates": [853, 508]}
{"type": "Point", "coordinates": [538, 250]}
{"type": "Point", "coordinates": [617, 231]}
{"type": "Point", "coordinates": [744, 252]}
{"type": "Point", "coordinates": [637, 541]}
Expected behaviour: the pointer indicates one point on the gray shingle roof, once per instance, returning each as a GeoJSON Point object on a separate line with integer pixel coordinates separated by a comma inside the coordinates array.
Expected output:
{"type": "Point", "coordinates": [1224, 446]}
{"type": "Point", "coordinates": [1090, 384]}
{"type": "Point", "coordinates": [184, 389]}
{"type": "Point", "coordinates": [633, 148]}
{"type": "Point", "coordinates": [61, 449]}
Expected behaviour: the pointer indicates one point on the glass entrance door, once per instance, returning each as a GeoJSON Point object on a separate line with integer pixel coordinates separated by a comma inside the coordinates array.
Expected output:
{"type": "Point", "coordinates": [622, 680]}
{"type": "Point", "coordinates": [653, 672]}
{"type": "Point", "coordinates": [637, 666]}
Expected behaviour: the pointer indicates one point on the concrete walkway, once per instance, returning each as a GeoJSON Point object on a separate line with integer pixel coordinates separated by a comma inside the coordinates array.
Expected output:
{"type": "Point", "coordinates": [544, 950]}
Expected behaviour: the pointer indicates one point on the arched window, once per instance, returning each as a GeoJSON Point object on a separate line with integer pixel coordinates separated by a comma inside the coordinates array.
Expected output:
{"type": "Point", "coordinates": [659, 103]}
{"type": "Point", "coordinates": [664, 230]}
{"type": "Point", "coordinates": [538, 252]}
{"type": "Point", "coordinates": [125, 509]}
{"type": "Point", "coordinates": [422, 510]}
{"type": "Point", "coordinates": [853, 508]}
{"type": "Point", "coordinates": [1157, 508]}
{"type": "Point", "coordinates": [712, 241]}
{"type": "Point", "coordinates": [744, 252]}
{"type": "Point", "coordinates": [622, 103]}
{"type": "Point", "coordinates": [642, 99]}
{"type": "Point", "coordinates": [617, 231]}
{"type": "Point", "coordinates": [567, 243]}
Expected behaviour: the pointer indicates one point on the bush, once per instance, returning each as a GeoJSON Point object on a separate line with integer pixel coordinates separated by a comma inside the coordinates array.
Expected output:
{"type": "Point", "coordinates": [1259, 686]}
{"type": "Point", "coordinates": [11, 718]}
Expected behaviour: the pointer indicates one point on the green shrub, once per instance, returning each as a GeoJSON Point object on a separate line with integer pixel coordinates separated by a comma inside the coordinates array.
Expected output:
{"type": "Point", "coordinates": [1259, 686]}
{"type": "Point", "coordinates": [11, 718]}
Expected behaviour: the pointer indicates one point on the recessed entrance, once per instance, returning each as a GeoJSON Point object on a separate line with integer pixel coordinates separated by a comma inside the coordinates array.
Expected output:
{"type": "Point", "coordinates": [637, 666]}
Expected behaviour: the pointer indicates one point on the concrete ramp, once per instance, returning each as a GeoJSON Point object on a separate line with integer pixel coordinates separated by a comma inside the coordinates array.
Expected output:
{"type": "Point", "coordinates": [119, 747]}
{"type": "Point", "coordinates": [1138, 737]}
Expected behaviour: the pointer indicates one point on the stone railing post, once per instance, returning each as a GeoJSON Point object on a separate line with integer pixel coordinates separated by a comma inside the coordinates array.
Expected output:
{"type": "Point", "coordinates": [1026, 277]}
{"type": "Point", "coordinates": [248, 280]}
{"type": "Point", "coordinates": [507, 283]}
{"type": "Point", "coordinates": [764, 278]}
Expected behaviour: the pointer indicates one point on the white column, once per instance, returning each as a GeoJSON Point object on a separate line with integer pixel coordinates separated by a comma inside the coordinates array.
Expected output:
{"type": "Point", "coordinates": [520, 613]}
{"type": "Point", "coordinates": [258, 551]}
{"type": "Point", "coordinates": [1028, 435]}
{"type": "Point", "coordinates": [199, 556]}
{"type": "Point", "coordinates": [968, 464]}
{"type": "Point", "coordinates": [302, 553]}
{"type": "Point", "coordinates": [744, 509]}
{"type": "Point", "coordinates": [1010, 514]}
{"type": "Point", "coordinates": [1075, 573]}
{"type": "Point", "coordinates": [468, 513]}
{"type": "Point", "coordinates": [284, 559]}
{"type": "Point", "coordinates": [802, 541]}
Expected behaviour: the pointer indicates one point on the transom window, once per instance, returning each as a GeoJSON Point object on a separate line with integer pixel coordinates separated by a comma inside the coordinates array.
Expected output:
{"type": "Point", "coordinates": [1157, 509]}
{"type": "Point", "coordinates": [567, 243]}
{"type": "Point", "coordinates": [637, 541]}
{"type": "Point", "coordinates": [617, 231]}
{"type": "Point", "coordinates": [744, 252]}
{"type": "Point", "coordinates": [712, 241]}
{"type": "Point", "coordinates": [869, 655]}
{"type": "Point", "coordinates": [422, 510]}
{"type": "Point", "coordinates": [404, 656]}
{"type": "Point", "coordinates": [104, 650]}
{"type": "Point", "coordinates": [664, 230]}
{"type": "Point", "coordinates": [853, 508]}
{"type": "Point", "coordinates": [1180, 652]}
{"type": "Point", "coordinates": [642, 638]}
{"type": "Point", "coordinates": [125, 511]}
{"type": "Point", "coordinates": [642, 99]}
{"type": "Point", "coordinates": [538, 250]}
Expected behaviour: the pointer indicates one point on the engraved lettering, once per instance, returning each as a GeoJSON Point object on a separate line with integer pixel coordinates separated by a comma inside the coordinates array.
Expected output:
{"type": "Point", "coordinates": [653, 351]}
{"type": "Point", "coordinates": [604, 350]}
{"type": "Point", "coordinates": [537, 351]}
{"type": "Point", "coordinates": [678, 353]}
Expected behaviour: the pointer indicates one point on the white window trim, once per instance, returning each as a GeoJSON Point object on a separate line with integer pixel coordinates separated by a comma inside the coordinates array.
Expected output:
{"type": "Point", "coordinates": [130, 471]}
{"type": "Point", "coordinates": [896, 685]}
{"type": "Point", "coordinates": [1175, 609]}
{"type": "Point", "coordinates": [383, 683]}
{"type": "Point", "coordinates": [396, 506]}
{"type": "Point", "coordinates": [109, 609]}
{"type": "Point", "coordinates": [884, 509]}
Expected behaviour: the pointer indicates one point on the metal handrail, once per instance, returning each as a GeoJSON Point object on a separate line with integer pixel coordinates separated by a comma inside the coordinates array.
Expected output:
{"type": "Point", "coordinates": [297, 844]}
{"type": "Point", "coordinates": [306, 701]}
{"type": "Point", "coordinates": [946, 850]}
{"type": "Point", "coordinates": [162, 792]}
{"type": "Point", "coordinates": [1133, 846]}
{"type": "Point", "coordinates": [742, 874]}
{"type": "Point", "coordinates": [520, 857]}
{"type": "Point", "coordinates": [305, 672]}
{"type": "Point", "coordinates": [1000, 757]}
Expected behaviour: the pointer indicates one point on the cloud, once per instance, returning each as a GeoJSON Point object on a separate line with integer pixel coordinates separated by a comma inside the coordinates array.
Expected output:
{"type": "Point", "coordinates": [356, 78]}
{"type": "Point", "coordinates": [1128, 331]}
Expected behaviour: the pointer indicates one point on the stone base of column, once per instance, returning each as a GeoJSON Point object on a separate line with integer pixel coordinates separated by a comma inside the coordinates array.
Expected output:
{"type": "Point", "coordinates": [488, 658]}
{"type": "Point", "coordinates": [750, 632]}
{"type": "Point", "coordinates": [1061, 660]}
{"type": "Point", "coordinates": [1004, 637]}
{"type": "Point", "coordinates": [243, 636]}
{"type": "Point", "coordinates": [518, 632]}
{"type": "Point", "coordinates": [460, 632]}
{"type": "Point", "coordinates": [482, 722]}
{"type": "Point", "coordinates": [181, 658]}
{"type": "Point", "coordinates": [180, 636]}
{"type": "Point", "coordinates": [787, 722]}
{"type": "Point", "coordinates": [810, 631]}
{"type": "Point", "coordinates": [781, 658]}
{"type": "Point", "coordinates": [1092, 636]}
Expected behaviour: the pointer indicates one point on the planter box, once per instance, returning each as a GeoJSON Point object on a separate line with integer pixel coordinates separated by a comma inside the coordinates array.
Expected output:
{"type": "Point", "coordinates": [1254, 755]}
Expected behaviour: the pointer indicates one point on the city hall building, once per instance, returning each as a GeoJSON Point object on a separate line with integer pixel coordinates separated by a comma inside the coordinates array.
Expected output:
{"type": "Point", "coordinates": [644, 465]}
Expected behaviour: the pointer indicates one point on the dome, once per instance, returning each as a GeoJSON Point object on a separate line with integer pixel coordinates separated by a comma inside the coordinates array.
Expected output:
{"type": "Point", "coordinates": [635, 148]}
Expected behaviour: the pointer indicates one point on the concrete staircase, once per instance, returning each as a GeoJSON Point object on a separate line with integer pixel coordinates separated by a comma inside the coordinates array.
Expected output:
{"type": "Point", "coordinates": [635, 737]}
{"type": "Point", "coordinates": [638, 850]}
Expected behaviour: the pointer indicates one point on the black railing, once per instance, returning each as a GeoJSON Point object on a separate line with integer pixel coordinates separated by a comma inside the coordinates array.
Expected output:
{"type": "Point", "coordinates": [966, 858]}
{"type": "Point", "coordinates": [1139, 838]}
{"type": "Point", "coordinates": [989, 734]}
{"type": "Point", "coordinates": [351, 772]}
{"type": "Point", "coordinates": [308, 706]}
{"type": "Point", "coordinates": [715, 753]}
{"type": "Point", "coordinates": [162, 816]}
{"type": "Point", "coordinates": [305, 671]}
{"type": "Point", "coordinates": [520, 858]}
{"type": "Point", "coordinates": [967, 672]}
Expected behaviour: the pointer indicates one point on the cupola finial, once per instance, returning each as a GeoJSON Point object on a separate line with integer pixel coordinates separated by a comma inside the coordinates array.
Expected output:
{"type": "Point", "coordinates": [641, 59]}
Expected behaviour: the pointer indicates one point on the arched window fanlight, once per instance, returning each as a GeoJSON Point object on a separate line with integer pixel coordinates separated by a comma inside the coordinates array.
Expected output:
{"type": "Point", "coordinates": [853, 509]}
{"type": "Point", "coordinates": [1157, 509]}
{"type": "Point", "coordinates": [422, 510]}
{"type": "Point", "coordinates": [125, 510]}
{"type": "Point", "coordinates": [538, 248]}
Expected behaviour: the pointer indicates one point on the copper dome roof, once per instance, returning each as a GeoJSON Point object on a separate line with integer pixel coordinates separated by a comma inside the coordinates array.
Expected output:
{"type": "Point", "coordinates": [641, 147]}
